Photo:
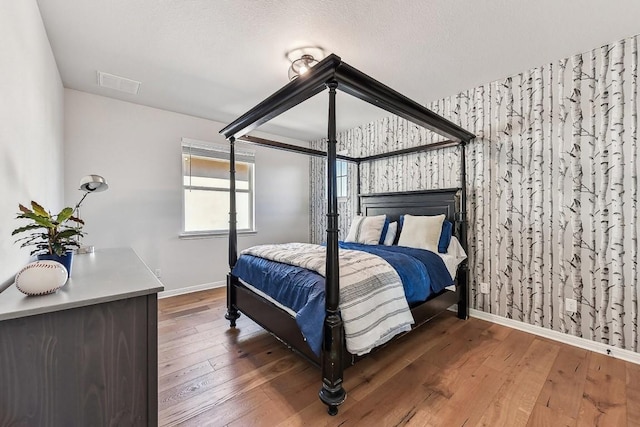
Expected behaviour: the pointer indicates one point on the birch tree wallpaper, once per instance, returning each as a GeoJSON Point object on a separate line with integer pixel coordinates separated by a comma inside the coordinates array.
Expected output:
{"type": "Point", "coordinates": [552, 185]}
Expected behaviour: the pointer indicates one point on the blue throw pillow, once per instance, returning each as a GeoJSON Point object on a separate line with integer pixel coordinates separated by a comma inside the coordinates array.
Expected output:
{"type": "Point", "coordinates": [385, 227]}
{"type": "Point", "coordinates": [445, 236]}
{"type": "Point", "coordinates": [400, 224]}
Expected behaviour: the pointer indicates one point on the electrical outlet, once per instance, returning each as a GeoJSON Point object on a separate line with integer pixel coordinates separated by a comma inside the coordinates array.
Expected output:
{"type": "Point", "coordinates": [484, 288]}
{"type": "Point", "coordinates": [158, 273]}
{"type": "Point", "coordinates": [570, 305]}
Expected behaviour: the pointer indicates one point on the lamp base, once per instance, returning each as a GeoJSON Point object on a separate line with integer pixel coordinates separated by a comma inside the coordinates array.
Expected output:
{"type": "Point", "coordinates": [85, 250]}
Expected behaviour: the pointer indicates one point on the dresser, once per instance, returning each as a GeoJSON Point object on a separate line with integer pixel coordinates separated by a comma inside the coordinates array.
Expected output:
{"type": "Point", "coordinates": [86, 355]}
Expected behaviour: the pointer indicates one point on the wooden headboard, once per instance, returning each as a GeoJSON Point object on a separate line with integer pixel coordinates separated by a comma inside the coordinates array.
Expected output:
{"type": "Point", "coordinates": [425, 202]}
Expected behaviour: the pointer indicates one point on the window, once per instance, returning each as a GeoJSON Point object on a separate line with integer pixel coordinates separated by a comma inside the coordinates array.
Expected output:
{"type": "Point", "coordinates": [341, 178]}
{"type": "Point", "coordinates": [206, 185]}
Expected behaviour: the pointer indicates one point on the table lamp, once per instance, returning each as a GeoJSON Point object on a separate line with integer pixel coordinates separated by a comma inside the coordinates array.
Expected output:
{"type": "Point", "coordinates": [89, 184]}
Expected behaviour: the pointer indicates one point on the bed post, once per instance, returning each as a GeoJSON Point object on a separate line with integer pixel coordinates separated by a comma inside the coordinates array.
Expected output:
{"type": "Point", "coordinates": [332, 393]}
{"type": "Point", "coordinates": [232, 312]}
{"type": "Point", "coordinates": [463, 271]}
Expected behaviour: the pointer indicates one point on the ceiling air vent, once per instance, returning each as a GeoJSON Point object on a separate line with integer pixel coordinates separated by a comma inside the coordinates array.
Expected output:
{"type": "Point", "coordinates": [118, 83]}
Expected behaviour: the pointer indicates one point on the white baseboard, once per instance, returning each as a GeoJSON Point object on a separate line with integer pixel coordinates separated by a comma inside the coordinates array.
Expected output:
{"type": "Point", "coordinates": [597, 347]}
{"type": "Point", "coordinates": [190, 289]}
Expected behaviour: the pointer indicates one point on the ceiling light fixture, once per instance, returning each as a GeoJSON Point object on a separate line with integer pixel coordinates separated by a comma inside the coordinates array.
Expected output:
{"type": "Point", "coordinates": [301, 66]}
{"type": "Point", "coordinates": [302, 59]}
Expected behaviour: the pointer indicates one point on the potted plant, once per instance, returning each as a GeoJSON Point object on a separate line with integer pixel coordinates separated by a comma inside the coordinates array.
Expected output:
{"type": "Point", "coordinates": [54, 237]}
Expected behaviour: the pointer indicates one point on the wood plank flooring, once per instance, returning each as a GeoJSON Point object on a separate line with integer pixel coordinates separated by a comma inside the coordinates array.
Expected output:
{"type": "Point", "coordinates": [447, 373]}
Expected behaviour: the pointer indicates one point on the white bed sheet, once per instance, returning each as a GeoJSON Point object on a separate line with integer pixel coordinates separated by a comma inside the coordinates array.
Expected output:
{"type": "Point", "coordinates": [452, 259]}
{"type": "Point", "coordinates": [268, 298]}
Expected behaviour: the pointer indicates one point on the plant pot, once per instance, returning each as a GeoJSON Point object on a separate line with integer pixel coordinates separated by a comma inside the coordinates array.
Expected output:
{"type": "Point", "coordinates": [65, 260]}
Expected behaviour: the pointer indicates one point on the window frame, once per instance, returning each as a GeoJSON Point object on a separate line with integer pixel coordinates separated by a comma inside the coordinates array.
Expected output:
{"type": "Point", "coordinates": [342, 177]}
{"type": "Point", "coordinates": [221, 153]}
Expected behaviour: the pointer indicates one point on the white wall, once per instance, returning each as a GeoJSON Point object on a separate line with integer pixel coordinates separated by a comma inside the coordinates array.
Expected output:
{"type": "Point", "coordinates": [137, 149]}
{"type": "Point", "coordinates": [31, 120]}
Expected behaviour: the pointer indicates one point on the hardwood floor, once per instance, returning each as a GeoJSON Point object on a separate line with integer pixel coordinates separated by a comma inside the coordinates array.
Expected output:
{"type": "Point", "coordinates": [447, 373]}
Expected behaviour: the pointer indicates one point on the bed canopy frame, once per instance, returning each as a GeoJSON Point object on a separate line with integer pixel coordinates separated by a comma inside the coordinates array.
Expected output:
{"type": "Point", "coordinates": [334, 74]}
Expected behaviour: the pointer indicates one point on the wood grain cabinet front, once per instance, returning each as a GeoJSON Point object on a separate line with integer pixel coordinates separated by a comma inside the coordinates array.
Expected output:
{"type": "Point", "coordinates": [94, 365]}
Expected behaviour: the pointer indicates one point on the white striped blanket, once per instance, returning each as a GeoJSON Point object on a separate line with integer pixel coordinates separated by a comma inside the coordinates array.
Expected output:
{"type": "Point", "coordinates": [372, 301]}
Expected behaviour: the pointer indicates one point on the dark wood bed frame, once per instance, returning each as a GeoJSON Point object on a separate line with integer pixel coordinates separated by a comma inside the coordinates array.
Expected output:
{"type": "Point", "coordinates": [334, 74]}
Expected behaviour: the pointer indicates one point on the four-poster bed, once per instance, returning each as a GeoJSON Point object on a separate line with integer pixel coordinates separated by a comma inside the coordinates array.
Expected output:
{"type": "Point", "coordinates": [334, 74]}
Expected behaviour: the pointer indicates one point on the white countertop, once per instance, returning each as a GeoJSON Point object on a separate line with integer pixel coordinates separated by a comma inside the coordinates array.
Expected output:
{"type": "Point", "coordinates": [103, 276]}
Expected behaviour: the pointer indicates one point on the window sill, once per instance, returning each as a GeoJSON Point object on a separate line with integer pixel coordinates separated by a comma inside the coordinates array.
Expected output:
{"type": "Point", "coordinates": [213, 234]}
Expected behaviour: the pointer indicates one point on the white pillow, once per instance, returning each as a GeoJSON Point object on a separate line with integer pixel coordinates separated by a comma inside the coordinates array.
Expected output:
{"type": "Point", "coordinates": [422, 232]}
{"type": "Point", "coordinates": [366, 229]}
{"type": "Point", "coordinates": [392, 230]}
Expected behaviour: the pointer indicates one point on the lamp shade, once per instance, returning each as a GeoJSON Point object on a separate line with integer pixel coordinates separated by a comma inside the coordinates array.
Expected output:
{"type": "Point", "coordinates": [93, 184]}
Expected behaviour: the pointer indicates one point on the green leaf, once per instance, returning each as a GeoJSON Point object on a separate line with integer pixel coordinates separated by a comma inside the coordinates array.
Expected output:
{"type": "Point", "coordinates": [43, 221]}
{"type": "Point", "coordinates": [25, 228]}
{"type": "Point", "coordinates": [64, 215]}
{"type": "Point", "coordinates": [70, 232]}
{"type": "Point", "coordinates": [39, 210]}
{"type": "Point", "coordinates": [31, 243]}
{"type": "Point", "coordinates": [42, 236]}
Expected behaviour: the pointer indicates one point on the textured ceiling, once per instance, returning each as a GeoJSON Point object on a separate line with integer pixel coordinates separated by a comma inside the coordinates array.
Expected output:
{"type": "Point", "coordinates": [218, 58]}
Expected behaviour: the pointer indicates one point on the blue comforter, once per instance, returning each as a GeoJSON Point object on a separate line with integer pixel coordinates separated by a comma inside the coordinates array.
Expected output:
{"type": "Point", "coordinates": [422, 272]}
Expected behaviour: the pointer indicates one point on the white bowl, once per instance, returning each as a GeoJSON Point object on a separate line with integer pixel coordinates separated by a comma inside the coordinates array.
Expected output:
{"type": "Point", "coordinates": [41, 277]}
